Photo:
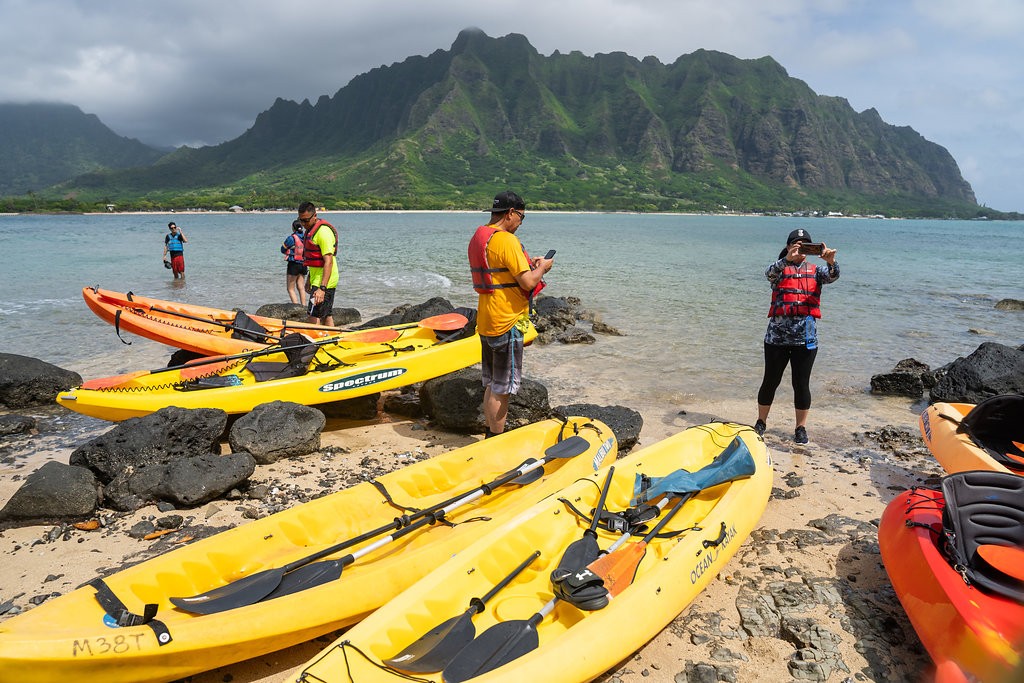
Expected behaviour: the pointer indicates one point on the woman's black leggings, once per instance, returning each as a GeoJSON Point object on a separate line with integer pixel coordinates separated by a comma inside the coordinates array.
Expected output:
{"type": "Point", "coordinates": [801, 360]}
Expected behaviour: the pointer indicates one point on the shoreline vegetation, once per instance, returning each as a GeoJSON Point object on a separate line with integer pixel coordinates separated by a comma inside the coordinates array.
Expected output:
{"type": "Point", "coordinates": [710, 214]}
{"type": "Point", "coordinates": [813, 207]}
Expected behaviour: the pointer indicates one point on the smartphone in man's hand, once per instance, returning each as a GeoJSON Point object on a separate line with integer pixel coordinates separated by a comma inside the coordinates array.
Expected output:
{"type": "Point", "coordinates": [812, 248]}
{"type": "Point", "coordinates": [550, 254]}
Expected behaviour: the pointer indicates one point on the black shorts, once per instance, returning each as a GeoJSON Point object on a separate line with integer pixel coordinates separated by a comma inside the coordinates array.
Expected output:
{"type": "Point", "coordinates": [324, 309]}
{"type": "Point", "coordinates": [296, 268]}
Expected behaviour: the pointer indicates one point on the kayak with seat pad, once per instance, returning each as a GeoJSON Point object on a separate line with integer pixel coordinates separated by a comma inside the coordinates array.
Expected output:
{"type": "Point", "coordinates": [128, 627]}
{"type": "Point", "coordinates": [482, 617]}
{"type": "Point", "coordinates": [967, 610]}
{"type": "Point", "coordinates": [986, 436]}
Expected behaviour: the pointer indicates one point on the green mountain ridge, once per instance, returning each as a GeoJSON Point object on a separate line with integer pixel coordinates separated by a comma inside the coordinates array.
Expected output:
{"type": "Point", "coordinates": [567, 131]}
{"type": "Point", "coordinates": [44, 144]}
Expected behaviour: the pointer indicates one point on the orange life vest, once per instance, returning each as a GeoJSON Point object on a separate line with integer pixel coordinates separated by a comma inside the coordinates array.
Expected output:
{"type": "Point", "coordinates": [798, 292]}
{"type": "Point", "coordinates": [311, 255]}
{"type": "Point", "coordinates": [483, 282]}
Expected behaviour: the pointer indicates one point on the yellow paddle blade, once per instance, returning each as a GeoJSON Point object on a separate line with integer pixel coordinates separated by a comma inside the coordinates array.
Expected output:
{"type": "Point", "coordinates": [618, 568]}
{"type": "Point", "coordinates": [1009, 559]}
{"type": "Point", "coordinates": [113, 381]}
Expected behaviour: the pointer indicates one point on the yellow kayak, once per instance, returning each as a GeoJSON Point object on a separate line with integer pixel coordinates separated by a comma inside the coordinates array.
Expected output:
{"type": "Point", "coordinates": [986, 436]}
{"type": "Point", "coordinates": [306, 372]}
{"type": "Point", "coordinates": [498, 596]}
{"type": "Point", "coordinates": [238, 577]}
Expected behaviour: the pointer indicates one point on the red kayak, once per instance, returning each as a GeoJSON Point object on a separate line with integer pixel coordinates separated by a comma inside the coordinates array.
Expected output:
{"type": "Point", "coordinates": [972, 632]}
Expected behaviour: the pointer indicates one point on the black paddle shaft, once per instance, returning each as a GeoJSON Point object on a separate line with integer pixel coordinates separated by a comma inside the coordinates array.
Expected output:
{"type": "Point", "coordinates": [564, 449]}
{"type": "Point", "coordinates": [583, 551]}
{"type": "Point", "coordinates": [255, 587]}
{"type": "Point", "coordinates": [497, 646]}
{"type": "Point", "coordinates": [437, 647]}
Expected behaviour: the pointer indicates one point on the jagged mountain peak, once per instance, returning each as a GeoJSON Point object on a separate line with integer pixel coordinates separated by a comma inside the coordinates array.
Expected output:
{"type": "Point", "coordinates": [494, 108]}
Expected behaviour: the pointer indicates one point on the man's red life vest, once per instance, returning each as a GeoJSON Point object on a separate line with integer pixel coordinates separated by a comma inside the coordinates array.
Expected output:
{"type": "Point", "coordinates": [311, 255]}
{"type": "Point", "coordinates": [798, 292]}
{"type": "Point", "coordinates": [483, 282]}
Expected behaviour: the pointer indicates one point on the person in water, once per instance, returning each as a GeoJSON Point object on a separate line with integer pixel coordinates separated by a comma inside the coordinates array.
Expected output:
{"type": "Point", "coordinates": [174, 243]}
{"type": "Point", "coordinates": [320, 255]}
{"type": "Point", "coordinates": [506, 279]}
{"type": "Point", "coordinates": [792, 335]}
{"type": "Point", "coordinates": [295, 274]}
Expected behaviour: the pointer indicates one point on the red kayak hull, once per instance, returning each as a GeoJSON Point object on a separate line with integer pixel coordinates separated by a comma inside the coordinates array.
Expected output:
{"type": "Point", "coordinates": [970, 634]}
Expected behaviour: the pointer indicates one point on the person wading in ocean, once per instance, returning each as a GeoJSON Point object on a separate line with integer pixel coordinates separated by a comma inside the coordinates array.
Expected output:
{"type": "Point", "coordinates": [174, 243]}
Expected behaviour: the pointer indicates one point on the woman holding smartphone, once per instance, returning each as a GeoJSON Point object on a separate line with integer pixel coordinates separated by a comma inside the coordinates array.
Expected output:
{"type": "Point", "coordinates": [792, 336]}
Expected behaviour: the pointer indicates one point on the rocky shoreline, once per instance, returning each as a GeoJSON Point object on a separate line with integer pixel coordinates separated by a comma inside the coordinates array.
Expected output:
{"type": "Point", "coordinates": [806, 597]}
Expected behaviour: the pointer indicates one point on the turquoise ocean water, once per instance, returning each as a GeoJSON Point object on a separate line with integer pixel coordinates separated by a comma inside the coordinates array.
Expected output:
{"type": "Point", "coordinates": [688, 291]}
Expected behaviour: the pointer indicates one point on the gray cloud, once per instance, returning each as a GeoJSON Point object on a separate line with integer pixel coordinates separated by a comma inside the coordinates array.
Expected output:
{"type": "Point", "coordinates": [196, 72]}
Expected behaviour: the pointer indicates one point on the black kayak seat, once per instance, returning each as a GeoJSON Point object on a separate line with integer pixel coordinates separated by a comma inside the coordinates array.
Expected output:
{"type": "Point", "coordinates": [467, 330]}
{"type": "Point", "coordinates": [248, 329]}
{"type": "Point", "coordinates": [299, 351]}
{"type": "Point", "coordinates": [983, 507]}
{"type": "Point", "coordinates": [996, 425]}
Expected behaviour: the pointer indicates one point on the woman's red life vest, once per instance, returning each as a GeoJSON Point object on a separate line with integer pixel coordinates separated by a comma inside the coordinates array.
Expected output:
{"type": "Point", "coordinates": [311, 255]}
{"type": "Point", "coordinates": [295, 253]}
{"type": "Point", "coordinates": [483, 282]}
{"type": "Point", "coordinates": [798, 292]}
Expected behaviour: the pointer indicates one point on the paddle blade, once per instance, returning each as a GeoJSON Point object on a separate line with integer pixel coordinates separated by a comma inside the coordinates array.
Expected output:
{"type": "Point", "coordinates": [203, 367]}
{"type": "Point", "coordinates": [384, 334]}
{"type": "Point", "coordinates": [308, 576]}
{"type": "Point", "coordinates": [445, 321]}
{"type": "Point", "coordinates": [497, 646]}
{"type": "Point", "coordinates": [579, 554]}
{"type": "Point", "coordinates": [1009, 559]}
{"type": "Point", "coordinates": [114, 381]}
{"type": "Point", "coordinates": [617, 569]}
{"type": "Point", "coordinates": [530, 477]}
{"type": "Point", "coordinates": [436, 648]}
{"type": "Point", "coordinates": [567, 448]}
{"type": "Point", "coordinates": [244, 591]}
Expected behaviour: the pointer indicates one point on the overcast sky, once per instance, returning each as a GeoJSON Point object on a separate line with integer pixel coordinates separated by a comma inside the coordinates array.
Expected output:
{"type": "Point", "coordinates": [198, 72]}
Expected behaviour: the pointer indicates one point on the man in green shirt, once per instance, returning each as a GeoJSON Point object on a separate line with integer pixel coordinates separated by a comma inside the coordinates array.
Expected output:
{"type": "Point", "coordinates": [320, 254]}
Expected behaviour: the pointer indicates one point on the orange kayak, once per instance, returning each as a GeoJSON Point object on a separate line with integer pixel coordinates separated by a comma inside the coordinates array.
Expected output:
{"type": "Point", "coordinates": [971, 634]}
{"type": "Point", "coordinates": [216, 332]}
{"type": "Point", "coordinates": [988, 440]}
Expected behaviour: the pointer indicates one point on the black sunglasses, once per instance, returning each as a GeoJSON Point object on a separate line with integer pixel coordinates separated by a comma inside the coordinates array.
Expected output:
{"type": "Point", "coordinates": [522, 216]}
{"type": "Point", "coordinates": [307, 220]}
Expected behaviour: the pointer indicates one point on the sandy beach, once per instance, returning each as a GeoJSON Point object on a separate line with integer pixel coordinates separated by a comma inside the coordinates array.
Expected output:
{"type": "Point", "coordinates": [813, 557]}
